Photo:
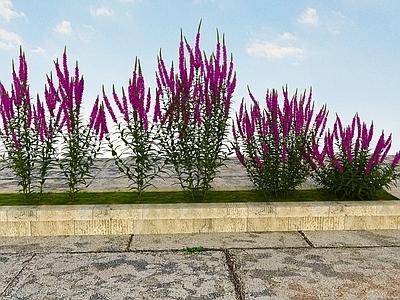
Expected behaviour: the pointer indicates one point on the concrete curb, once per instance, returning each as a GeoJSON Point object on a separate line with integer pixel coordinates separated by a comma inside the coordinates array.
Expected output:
{"type": "Point", "coordinates": [195, 218]}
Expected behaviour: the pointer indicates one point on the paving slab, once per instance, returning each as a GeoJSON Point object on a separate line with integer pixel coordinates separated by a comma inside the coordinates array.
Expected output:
{"type": "Point", "coordinates": [48, 244]}
{"type": "Point", "coordinates": [218, 241]}
{"type": "Point", "coordinates": [317, 273]}
{"type": "Point", "coordinates": [139, 275]}
{"type": "Point", "coordinates": [372, 238]}
{"type": "Point", "coordinates": [10, 266]}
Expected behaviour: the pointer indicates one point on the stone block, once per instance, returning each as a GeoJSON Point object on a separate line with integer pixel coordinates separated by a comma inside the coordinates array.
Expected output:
{"type": "Point", "coordinates": [163, 226]}
{"type": "Point", "coordinates": [291, 209]}
{"type": "Point", "coordinates": [123, 226]}
{"type": "Point", "coordinates": [336, 208]}
{"type": "Point", "coordinates": [358, 208]}
{"type": "Point", "coordinates": [220, 225]}
{"type": "Point", "coordinates": [237, 210]}
{"type": "Point", "coordinates": [64, 213]}
{"type": "Point", "coordinates": [388, 208]}
{"type": "Point", "coordinates": [21, 228]}
{"type": "Point", "coordinates": [22, 213]}
{"type": "Point", "coordinates": [313, 223]}
{"type": "Point", "coordinates": [101, 212]}
{"type": "Point", "coordinates": [268, 224]}
{"type": "Point", "coordinates": [92, 227]}
{"type": "Point", "coordinates": [160, 211]}
{"type": "Point", "coordinates": [3, 213]}
{"type": "Point", "coordinates": [203, 211]}
{"type": "Point", "coordinates": [371, 222]}
{"type": "Point", "coordinates": [259, 210]}
{"type": "Point", "coordinates": [52, 228]}
{"type": "Point", "coordinates": [126, 212]}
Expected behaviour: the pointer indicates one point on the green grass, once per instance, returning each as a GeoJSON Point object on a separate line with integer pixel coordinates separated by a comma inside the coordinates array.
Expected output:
{"type": "Point", "coordinates": [192, 250]}
{"type": "Point", "coordinates": [170, 197]}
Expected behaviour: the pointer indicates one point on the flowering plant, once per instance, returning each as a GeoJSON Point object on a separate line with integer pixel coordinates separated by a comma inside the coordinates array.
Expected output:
{"type": "Point", "coordinates": [273, 144]}
{"type": "Point", "coordinates": [347, 166]}
{"type": "Point", "coordinates": [194, 114]}
{"type": "Point", "coordinates": [80, 142]}
{"type": "Point", "coordinates": [18, 131]}
{"type": "Point", "coordinates": [136, 152]}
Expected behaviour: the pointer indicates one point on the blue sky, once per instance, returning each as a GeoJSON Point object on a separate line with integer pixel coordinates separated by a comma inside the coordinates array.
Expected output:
{"type": "Point", "coordinates": [347, 50]}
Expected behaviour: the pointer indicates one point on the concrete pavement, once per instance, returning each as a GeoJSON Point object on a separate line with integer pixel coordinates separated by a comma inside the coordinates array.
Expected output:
{"type": "Point", "coordinates": [270, 265]}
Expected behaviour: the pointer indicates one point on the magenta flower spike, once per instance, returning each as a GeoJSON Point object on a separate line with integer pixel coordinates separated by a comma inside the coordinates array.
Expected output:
{"type": "Point", "coordinates": [258, 161]}
{"type": "Point", "coordinates": [370, 133]}
{"type": "Point", "coordinates": [103, 123]}
{"type": "Point", "coordinates": [93, 114]}
{"type": "Point", "coordinates": [108, 105]}
{"type": "Point", "coordinates": [299, 122]}
{"type": "Point", "coordinates": [378, 149]}
{"type": "Point", "coordinates": [125, 106]}
{"type": "Point", "coordinates": [162, 73]}
{"type": "Point", "coordinates": [148, 101]}
{"type": "Point", "coordinates": [240, 156]}
{"type": "Point", "coordinates": [16, 89]}
{"type": "Point", "coordinates": [15, 140]}
{"type": "Point", "coordinates": [117, 101]}
{"type": "Point", "coordinates": [157, 109]}
{"type": "Point", "coordinates": [23, 67]}
{"type": "Point", "coordinates": [65, 66]}
{"type": "Point", "coordinates": [264, 148]}
{"type": "Point", "coordinates": [387, 148]}
{"type": "Point", "coordinates": [369, 165]}
{"type": "Point", "coordinates": [284, 153]}
{"type": "Point", "coordinates": [396, 160]}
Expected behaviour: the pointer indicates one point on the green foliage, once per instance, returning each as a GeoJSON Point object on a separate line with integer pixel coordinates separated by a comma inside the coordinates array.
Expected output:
{"type": "Point", "coordinates": [273, 144]}
{"type": "Point", "coordinates": [193, 250]}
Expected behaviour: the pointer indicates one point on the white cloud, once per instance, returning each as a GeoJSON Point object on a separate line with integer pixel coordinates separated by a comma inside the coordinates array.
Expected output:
{"type": "Point", "coordinates": [309, 16]}
{"type": "Point", "coordinates": [63, 27]}
{"type": "Point", "coordinates": [39, 50]}
{"type": "Point", "coordinates": [101, 11]}
{"type": "Point", "coordinates": [129, 1]}
{"type": "Point", "coordinates": [274, 51]}
{"type": "Point", "coordinates": [287, 36]}
{"type": "Point", "coordinates": [9, 40]}
{"type": "Point", "coordinates": [338, 21]}
{"type": "Point", "coordinates": [7, 10]}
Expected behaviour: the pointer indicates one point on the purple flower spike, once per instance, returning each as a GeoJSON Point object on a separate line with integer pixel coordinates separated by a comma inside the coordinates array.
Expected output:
{"type": "Point", "coordinates": [15, 140]}
{"type": "Point", "coordinates": [157, 109]}
{"type": "Point", "coordinates": [264, 147]}
{"type": "Point", "coordinates": [94, 112]}
{"type": "Point", "coordinates": [258, 161]}
{"type": "Point", "coordinates": [109, 108]}
{"type": "Point", "coordinates": [396, 160]}
{"type": "Point", "coordinates": [284, 154]}
{"type": "Point", "coordinates": [369, 165]}
{"type": "Point", "coordinates": [240, 156]}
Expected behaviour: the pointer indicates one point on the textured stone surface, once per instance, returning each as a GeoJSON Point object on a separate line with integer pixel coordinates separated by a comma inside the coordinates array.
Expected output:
{"type": "Point", "coordinates": [218, 241]}
{"type": "Point", "coordinates": [374, 238]}
{"type": "Point", "coordinates": [273, 265]}
{"type": "Point", "coordinates": [161, 275]}
{"type": "Point", "coordinates": [344, 273]}
{"type": "Point", "coordinates": [64, 244]}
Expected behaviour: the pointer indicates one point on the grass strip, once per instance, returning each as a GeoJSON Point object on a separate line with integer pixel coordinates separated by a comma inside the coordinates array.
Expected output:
{"type": "Point", "coordinates": [14, 199]}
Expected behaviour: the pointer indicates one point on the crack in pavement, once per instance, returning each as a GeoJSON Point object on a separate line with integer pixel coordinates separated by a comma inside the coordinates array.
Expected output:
{"type": "Point", "coordinates": [24, 265]}
{"type": "Point", "coordinates": [237, 282]}
{"type": "Point", "coordinates": [129, 244]}
{"type": "Point", "coordinates": [307, 240]}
